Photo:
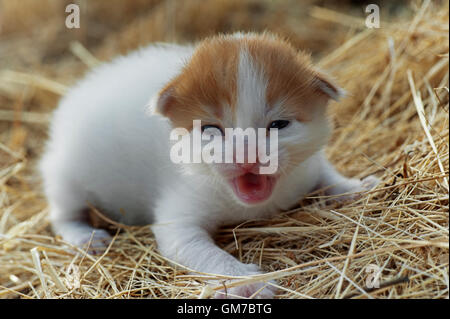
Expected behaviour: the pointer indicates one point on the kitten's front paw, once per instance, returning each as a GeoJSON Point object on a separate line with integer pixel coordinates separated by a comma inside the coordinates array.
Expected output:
{"type": "Point", "coordinates": [369, 183]}
{"type": "Point", "coordinates": [260, 290]}
{"type": "Point", "coordinates": [257, 290]}
{"type": "Point", "coordinates": [355, 186]}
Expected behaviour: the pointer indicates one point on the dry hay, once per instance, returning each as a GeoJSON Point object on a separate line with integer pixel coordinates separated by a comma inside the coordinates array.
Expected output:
{"type": "Point", "coordinates": [394, 124]}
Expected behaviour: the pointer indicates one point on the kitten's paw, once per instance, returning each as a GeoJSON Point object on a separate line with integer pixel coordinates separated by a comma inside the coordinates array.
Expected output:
{"type": "Point", "coordinates": [369, 183]}
{"type": "Point", "coordinates": [260, 290]}
{"type": "Point", "coordinates": [355, 186]}
{"type": "Point", "coordinates": [257, 290]}
{"type": "Point", "coordinates": [98, 241]}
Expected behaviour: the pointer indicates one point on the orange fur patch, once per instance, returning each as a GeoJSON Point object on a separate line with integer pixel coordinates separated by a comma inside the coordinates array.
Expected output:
{"type": "Point", "coordinates": [205, 85]}
{"type": "Point", "coordinates": [208, 83]}
{"type": "Point", "coordinates": [290, 75]}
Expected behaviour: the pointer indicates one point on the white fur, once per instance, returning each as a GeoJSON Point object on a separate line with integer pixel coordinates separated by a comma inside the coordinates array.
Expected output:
{"type": "Point", "coordinates": [103, 149]}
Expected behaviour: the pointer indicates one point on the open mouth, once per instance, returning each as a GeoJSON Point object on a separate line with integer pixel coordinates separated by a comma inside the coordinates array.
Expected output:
{"type": "Point", "coordinates": [253, 188]}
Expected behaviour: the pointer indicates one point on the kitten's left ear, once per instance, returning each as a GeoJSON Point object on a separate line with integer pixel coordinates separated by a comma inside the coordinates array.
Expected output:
{"type": "Point", "coordinates": [327, 87]}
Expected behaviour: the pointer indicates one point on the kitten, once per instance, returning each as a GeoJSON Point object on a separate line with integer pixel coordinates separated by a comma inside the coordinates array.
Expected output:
{"type": "Point", "coordinates": [108, 147]}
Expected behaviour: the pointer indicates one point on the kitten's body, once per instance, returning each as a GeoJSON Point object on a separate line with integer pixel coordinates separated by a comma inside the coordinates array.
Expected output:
{"type": "Point", "coordinates": [104, 149]}
{"type": "Point", "coordinates": [103, 122]}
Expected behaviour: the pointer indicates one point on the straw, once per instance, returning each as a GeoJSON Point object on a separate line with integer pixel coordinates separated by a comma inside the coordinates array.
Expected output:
{"type": "Point", "coordinates": [394, 123]}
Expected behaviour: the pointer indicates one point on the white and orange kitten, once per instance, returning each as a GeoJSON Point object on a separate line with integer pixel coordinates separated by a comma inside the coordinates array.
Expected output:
{"type": "Point", "coordinates": [109, 147]}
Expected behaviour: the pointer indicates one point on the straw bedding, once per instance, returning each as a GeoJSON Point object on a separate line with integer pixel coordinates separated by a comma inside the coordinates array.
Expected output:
{"type": "Point", "coordinates": [394, 123]}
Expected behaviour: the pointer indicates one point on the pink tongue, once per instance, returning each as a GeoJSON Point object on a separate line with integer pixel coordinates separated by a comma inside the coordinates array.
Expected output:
{"type": "Point", "coordinates": [252, 188]}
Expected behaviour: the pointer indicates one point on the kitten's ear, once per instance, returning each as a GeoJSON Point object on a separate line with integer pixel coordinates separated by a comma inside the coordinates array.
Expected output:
{"type": "Point", "coordinates": [326, 86]}
{"type": "Point", "coordinates": [161, 103]}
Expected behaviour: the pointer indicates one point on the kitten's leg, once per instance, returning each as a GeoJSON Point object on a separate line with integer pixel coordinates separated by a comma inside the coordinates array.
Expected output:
{"type": "Point", "coordinates": [69, 219]}
{"type": "Point", "coordinates": [77, 231]}
{"type": "Point", "coordinates": [335, 183]}
{"type": "Point", "coordinates": [192, 246]}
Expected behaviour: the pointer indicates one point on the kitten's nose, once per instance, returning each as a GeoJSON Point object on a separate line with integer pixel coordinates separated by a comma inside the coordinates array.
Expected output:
{"type": "Point", "coordinates": [246, 166]}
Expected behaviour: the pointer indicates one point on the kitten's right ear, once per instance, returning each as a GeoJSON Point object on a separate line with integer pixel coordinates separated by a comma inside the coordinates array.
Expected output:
{"type": "Point", "coordinates": [162, 102]}
{"type": "Point", "coordinates": [328, 87]}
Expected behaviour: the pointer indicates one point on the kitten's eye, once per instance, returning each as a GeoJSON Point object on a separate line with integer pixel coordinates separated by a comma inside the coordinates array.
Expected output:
{"type": "Point", "coordinates": [279, 124]}
{"type": "Point", "coordinates": [214, 127]}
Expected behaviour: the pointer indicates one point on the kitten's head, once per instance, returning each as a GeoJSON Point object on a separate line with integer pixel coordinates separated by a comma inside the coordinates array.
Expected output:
{"type": "Point", "coordinates": [249, 82]}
